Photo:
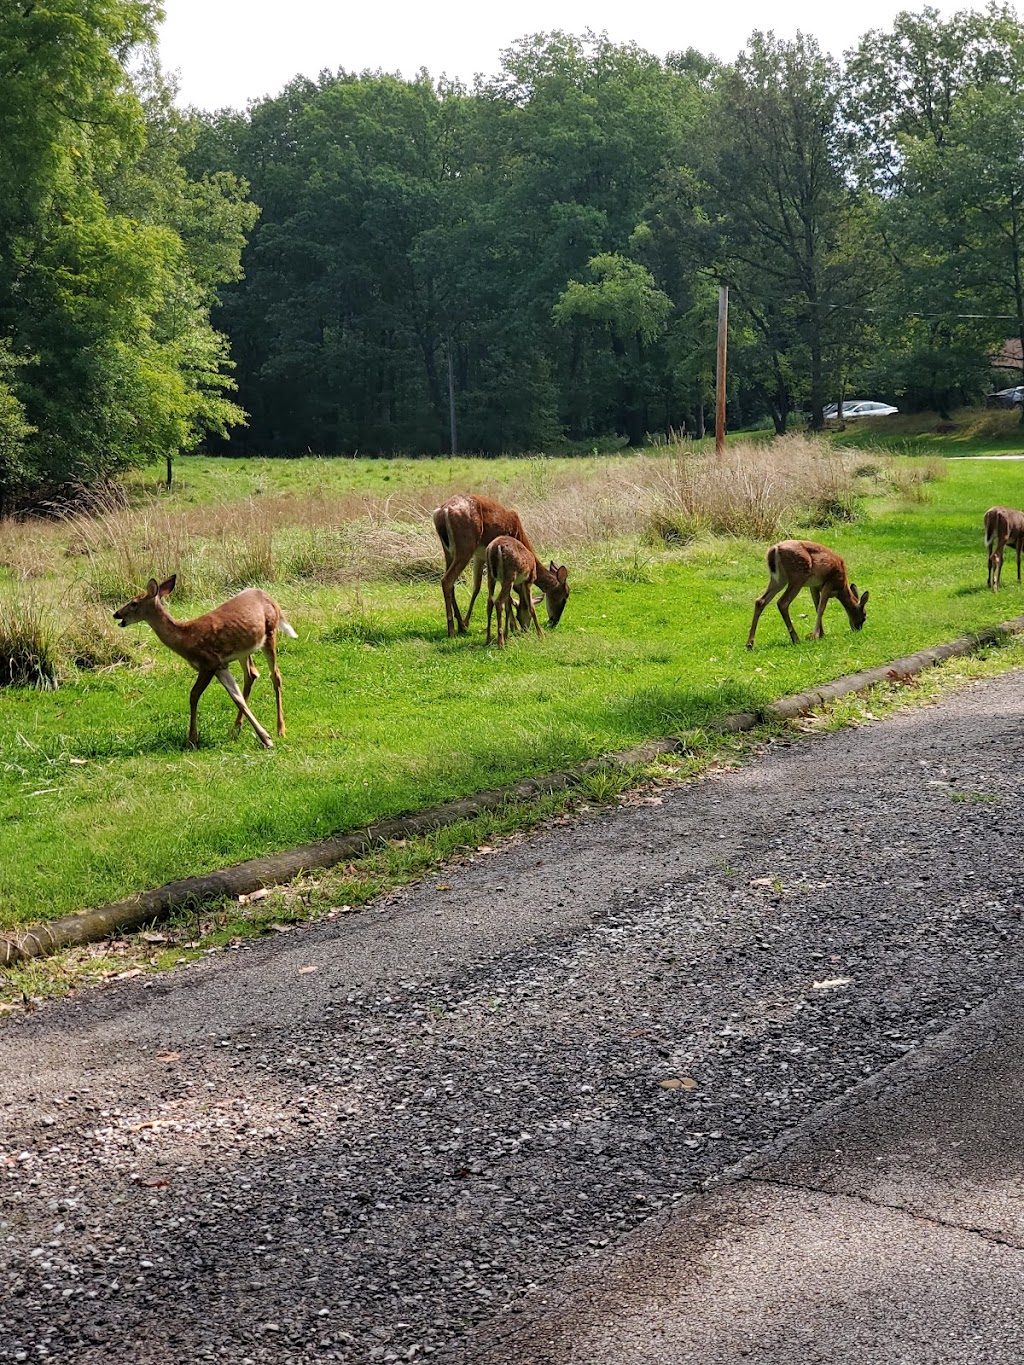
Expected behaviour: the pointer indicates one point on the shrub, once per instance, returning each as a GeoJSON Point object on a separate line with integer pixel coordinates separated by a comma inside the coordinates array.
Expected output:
{"type": "Point", "coordinates": [29, 645]}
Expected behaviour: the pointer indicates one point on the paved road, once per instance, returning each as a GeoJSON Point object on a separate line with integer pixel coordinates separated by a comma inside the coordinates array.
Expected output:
{"type": "Point", "coordinates": [457, 1119]}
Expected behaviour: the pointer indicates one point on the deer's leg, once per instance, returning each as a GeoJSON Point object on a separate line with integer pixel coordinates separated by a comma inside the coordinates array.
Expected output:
{"type": "Point", "coordinates": [490, 606]}
{"type": "Point", "coordinates": [1018, 561]}
{"type": "Point", "coordinates": [759, 607]}
{"type": "Point", "coordinates": [226, 679]}
{"type": "Point", "coordinates": [270, 654]}
{"type": "Point", "coordinates": [1000, 551]}
{"type": "Point", "coordinates": [784, 604]}
{"type": "Point", "coordinates": [821, 599]}
{"type": "Point", "coordinates": [456, 564]}
{"type": "Point", "coordinates": [251, 676]}
{"type": "Point", "coordinates": [198, 688]}
{"type": "Point", "coordinates": [527, 597]}
{"type": "Point", "coordinates": [478, 573]}
{"type": "Point", "coordinates": [504, 612]}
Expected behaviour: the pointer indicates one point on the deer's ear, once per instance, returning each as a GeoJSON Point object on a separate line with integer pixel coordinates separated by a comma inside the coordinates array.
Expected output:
{"type": "Point", "coordinates": [561, 574]}
{"type": "Point", "coordinates": [152, 588]}
{"type": "Point", "coordinates": [167, 586]}
{"type": "Point", "coordinates": [864, 599]}
{"type": "Point", "coordinates": [551, 566]}
{"type": "Point", "coordinates": [853, 587]}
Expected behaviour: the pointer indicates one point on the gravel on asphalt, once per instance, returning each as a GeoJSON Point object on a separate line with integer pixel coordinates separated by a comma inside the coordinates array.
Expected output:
{"type": "Point", "coordinates": [363, 1140]}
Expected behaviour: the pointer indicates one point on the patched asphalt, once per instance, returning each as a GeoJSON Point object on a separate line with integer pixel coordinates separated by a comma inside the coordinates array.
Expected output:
{"type": "Point", "coordinates": [422, 1146]}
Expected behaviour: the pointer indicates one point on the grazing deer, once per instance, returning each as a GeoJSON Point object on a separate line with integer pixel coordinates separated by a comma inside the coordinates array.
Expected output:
{"type": "Point", "coordinates": [510, 564]}
{"type": "Point", "coordinates": [794, 564]}
{"type": "Point", "coordinates": [235, 630]}
{"type": "Point", "coordinates": [466, 525]}
{"type": "Point", "coordinates": [1003, 526]}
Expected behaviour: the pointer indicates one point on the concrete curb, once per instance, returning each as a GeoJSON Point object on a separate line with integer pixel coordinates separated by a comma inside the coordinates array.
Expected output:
{"type": "Point", "coordinates": [148, 907]}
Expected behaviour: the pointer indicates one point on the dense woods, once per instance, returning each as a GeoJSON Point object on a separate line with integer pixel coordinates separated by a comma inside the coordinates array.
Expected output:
{"type": "Point", "coordinates": [534, 259]}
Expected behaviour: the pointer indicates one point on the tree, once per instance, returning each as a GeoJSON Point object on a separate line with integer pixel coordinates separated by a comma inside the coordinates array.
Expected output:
{"type": "Point", "coordinates": [624, 305]}
{"type": "Point", "coordinates": [939, 105]}
{"type": "Point", "coordinates": [764, 205]}
{"type": "Point", "coordinates": [99, 289]}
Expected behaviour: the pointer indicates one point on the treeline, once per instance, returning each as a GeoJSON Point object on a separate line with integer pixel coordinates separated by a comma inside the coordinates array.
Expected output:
{"type": "Point", "coordinates": [537, 256]}
{"type": "Point", "coordinates": [111, 252]}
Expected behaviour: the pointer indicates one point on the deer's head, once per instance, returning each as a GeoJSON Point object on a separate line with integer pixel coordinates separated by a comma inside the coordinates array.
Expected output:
{"type": "Point", "coordinates": [139, 608]}
{"type": "Point", "coordinates": [856, 610]}
{"type": "Point", "coordinates": [556, 594]}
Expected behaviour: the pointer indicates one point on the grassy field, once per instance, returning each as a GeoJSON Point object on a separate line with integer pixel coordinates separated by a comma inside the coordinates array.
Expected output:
{"type": "Point", "coordinates": [384, 713]}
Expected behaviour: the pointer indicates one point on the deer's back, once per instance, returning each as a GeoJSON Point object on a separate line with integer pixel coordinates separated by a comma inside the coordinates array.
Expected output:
{"type": "Point", "coordinates": [485, 517]}
{"type": "Point", "coordinates": [1005, 522]}
{"type": "Point", "coordinates": [814, 563]}
{"type": "Point", "coordinates": [508, 557]}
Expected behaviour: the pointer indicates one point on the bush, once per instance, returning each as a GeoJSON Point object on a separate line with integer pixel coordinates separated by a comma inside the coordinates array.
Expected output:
{"type": "Point", "coordinates": [29, 645]}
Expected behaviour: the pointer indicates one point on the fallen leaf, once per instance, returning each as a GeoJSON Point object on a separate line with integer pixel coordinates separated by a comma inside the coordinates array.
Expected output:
{"type": "Point", "coordinates": [831, 984]}
{"type": "Point", "coordinates": [155, 938]}
{"type": "Point", "coordinates": [762, 881]}
{"type": "Point", "coordinates": [124, 976]}
{"type": "Point", "coordinates": [282, 928]}
{"type": "Point", "coordinates": [260, 895]}
{"type": "Point", "coordinates": [679, 1083]}
{"type": "Point", "coordinates": [168, 1056]}
{"type": "Point", "coordinates": [305, 971]}
{"type": "Point", "coordinates": [443, 886]}
{"type": "Point", "coordinates": [154, 1184]}
{"type": "Point", "coordinates": [78, 762]}
{"type": "Point", "coordinates": [484, 848]}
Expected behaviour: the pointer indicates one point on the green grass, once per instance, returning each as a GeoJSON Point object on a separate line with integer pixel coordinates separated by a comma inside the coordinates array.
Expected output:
{"type": "Point", "coordinates": [386, 715]}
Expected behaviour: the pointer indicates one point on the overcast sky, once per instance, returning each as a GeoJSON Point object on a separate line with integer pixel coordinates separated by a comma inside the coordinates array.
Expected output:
{"type": "Point", "coordinates": [231, 51]}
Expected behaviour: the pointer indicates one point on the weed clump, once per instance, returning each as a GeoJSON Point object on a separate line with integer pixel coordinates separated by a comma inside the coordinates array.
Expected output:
{"type": "Point", "coordinates": [29, 645]}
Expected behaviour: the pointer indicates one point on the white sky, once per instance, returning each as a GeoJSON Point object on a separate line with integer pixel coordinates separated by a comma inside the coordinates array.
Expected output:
{"type": "Point", "coordinates": [231, 51]}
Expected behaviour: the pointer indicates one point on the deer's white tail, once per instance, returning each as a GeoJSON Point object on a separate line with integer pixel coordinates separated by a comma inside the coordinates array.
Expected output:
{"type": "Point", "coordinates": [283, 625]}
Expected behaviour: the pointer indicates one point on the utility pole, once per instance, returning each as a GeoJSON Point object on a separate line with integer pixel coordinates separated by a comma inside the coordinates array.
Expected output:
{"type": "Point", "coordinates": [723, 333]}
{"type": "Point", "coordinates": [451, 401]}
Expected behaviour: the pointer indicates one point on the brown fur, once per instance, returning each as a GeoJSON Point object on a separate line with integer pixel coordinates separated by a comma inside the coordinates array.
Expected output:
{"type": "Point", "coordinates": [235, 630]}
{"type": "Point", "coordinates": [794, 564]}
{"type": "Point", "coordinates": [1003, 526]}
{"type": "Point", "coordinates": [466, 525]}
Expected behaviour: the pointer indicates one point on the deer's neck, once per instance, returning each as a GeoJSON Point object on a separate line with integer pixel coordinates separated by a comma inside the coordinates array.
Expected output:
{"type": "Point", "coordinates": [546, 580]}
{"type": "Point", "coordinates": [846, 597]}
{"type": "Point", "coordinates": [168, 631]}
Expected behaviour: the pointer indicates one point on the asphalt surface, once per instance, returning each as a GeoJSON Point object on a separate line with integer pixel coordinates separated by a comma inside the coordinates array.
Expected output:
{"type": "Point", "coordinates": [437, 1138]}
{"type": "Point", "coordinates": [892, 1231]}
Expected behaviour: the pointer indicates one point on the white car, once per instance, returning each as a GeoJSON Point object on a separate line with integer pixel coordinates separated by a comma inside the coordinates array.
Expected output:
{"type": "Point", "coordinates": [861, 407]}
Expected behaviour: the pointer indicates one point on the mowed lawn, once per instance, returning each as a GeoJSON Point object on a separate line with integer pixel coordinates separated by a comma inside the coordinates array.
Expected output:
{"type": "Point", "coordinates": [386, 715]}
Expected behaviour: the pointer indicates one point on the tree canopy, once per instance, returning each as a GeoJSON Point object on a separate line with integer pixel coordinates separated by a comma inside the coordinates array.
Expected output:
{"type": "Point", "coordinates": [536, 256]}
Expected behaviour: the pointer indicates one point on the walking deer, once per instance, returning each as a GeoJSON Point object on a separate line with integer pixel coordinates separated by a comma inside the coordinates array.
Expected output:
{"type": "Point", "coordinates": [466, 525]}
{"type": "Point", "coordinates": [1003, 526]}
{"type": "Point", "coordinates": [510, 564]}
{"type": "Point", "coordinates": [235, 630]}
{"type": "Point", "coordinates": [794, 564]}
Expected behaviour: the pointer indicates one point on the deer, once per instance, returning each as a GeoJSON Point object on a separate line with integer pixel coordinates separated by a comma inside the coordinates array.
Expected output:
{"type": "Point", "coordinates": [510, 564]}
{"type": "Point", "coordinates": [466, 525]}
{"type": "Point", "coordinates": [1003, 526]}
{"type": "Point", "coordinates": [794, 564]}
{"type": "Point", "coordinates": [235, 630]}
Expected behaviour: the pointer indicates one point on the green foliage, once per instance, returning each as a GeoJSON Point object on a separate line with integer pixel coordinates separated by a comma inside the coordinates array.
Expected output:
{"type": "Point", "coordinates": [110, 257]}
